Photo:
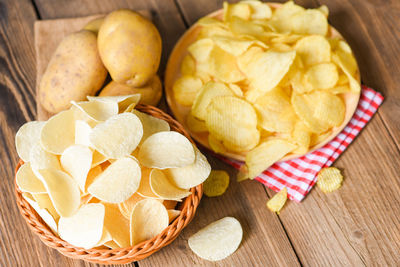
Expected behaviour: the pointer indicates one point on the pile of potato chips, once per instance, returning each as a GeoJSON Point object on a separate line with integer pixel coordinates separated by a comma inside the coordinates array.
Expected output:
{"type": "Point", "coordinates": [103, 174]}
{"type": "Point", "coordinates": [265, 82]}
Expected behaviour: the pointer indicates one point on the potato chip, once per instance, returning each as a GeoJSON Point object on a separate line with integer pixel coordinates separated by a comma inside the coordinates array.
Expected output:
{"type": "Point", "coordinates": [85, 227]}
{"type": "Point", "coordinates": [188, 66]}
{"type": "Point", "coordinates": [61, 124]}
{"type": "Point", "coordinates": [44, 202]}
{"type": "Point", "coordinates": [208, 92]}
{"type": "Point", "coordinates": [27, 136]}
{"type": "Point", "coordinates": [151, 125]}
{"type": "Point", "coordinates": [234, 122]}
{"type": "Point", "coordinates": [172, 215]}
{"type": "Point", "coordinates": [118, 136]}
{"type": "Point", "coordinates": [266, 154]}
{"type": "Point", "coordinates": [223, 66]}
{"type": "Point", "coordinates": [329, 179]}
{"type": "Point", "coordinates": [82, 133]}
{"type": "Point", "coordinates": [276, 203]}
{"type": "Point", "coordinates": [41, 159]}
{"type": "Point", "coordinates": [201, 49]}
{"type": "Point", "coordinates": [259, 10]}
{"type": "Point", "coordinates": [164, 189]}
{"type": "Point", "coordinates": [310, 21]}
{"type": "Point", "coordinates": [217, 240]}
{"type": "Point", "coordinates": [340, 89]}
{"type": "Point", "coordinates": [318, 138]}
{"type": "Point", "coordinates": [243, 27]}
{"type": "Point", "coordinates": [118, 182]}
{"type": "Point", "coordinates": [117, 225]}
{"type": "Point", "coordinates": [243, 173]}
{"type": "Point", "coordinates": [62, 189]}
{"type": "Point", "coordinates": [313, 49]}
{"type": "Point", "coordinates": [86, 198]}
{"type": "Point", "coordinates": [191, 175]}
{"type": "Point", "coordinates": [186, 89]}
{"type": "Point", "coordinates": [216, 184]}
{"type": "Point", "coordinates": [329, 108]}
{"type": "Point", "coordinates": [213, 30]}
{"type": "Point", "coordinates": [166, 150]}
{"type": "Point", "coordinates": [148, 219]}
{"type": "Point", "coordinates": [322, 76]}
{"type": "Point", "coordinates": [112, 244]}
{"type": "Point", "coordinates": [236, 89]}
{"type": "Point", "coordinates": [346, 62]}
{"type": "Point", "coordinates": [127, 206]}
{"type": "Point", "coordinates": [123, 101]}
{"type": "Point", "coordinates": [98, 158]}
{"type": "Point", "coordinates": [105, 237]}
{"type": "Point", "coordinates": [43, 213]}
{"type": "Point", "coordinates": [240, 10]}
{"type": "Point", "coordinates": [170, 204]}
{"type": "Point", "coordinates": [195, 125]}
{"type": "Point", "coordinates": [97, 110]}
{"type": "Point", "coordinates": [27, 180]}
{"type": "Point", "coordinates": [144, 189]}
{"type": "Point", "coordinates": [232, 45]}
{"type": "Point", "coordinates": [301, 136]}
{"type": "Point", "coordinates": [281, 18]}
{"type": "Point", "coordinates": [216, 145]}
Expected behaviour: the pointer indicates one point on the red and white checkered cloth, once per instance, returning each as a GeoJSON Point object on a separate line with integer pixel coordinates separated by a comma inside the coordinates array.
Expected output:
{"type": "Point", "coordinates": [299, 175]}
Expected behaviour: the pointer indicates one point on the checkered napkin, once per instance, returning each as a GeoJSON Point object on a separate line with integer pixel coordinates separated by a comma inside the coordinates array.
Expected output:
{"type": "Point", "coordinates": [299, 175]}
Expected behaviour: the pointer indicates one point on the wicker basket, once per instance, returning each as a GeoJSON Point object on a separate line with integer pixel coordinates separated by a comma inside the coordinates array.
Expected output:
{"type": "Point", "coordinates": [123, 255]}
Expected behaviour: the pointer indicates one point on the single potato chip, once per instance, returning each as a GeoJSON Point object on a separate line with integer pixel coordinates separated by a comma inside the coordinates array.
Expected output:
{"type": "Point", "coordinates": [313, 49]}
{"type": "Point", "coordinates": [186, 89]}
{"type": "Point", "coordinates": [201, 49]}
{"type": "Point", "coordinates": [27, 180]}
{"type": "Point", "coordinates": [222, 66]}
{"type": "Point", "coordinates": [329, 179]}
{"type": "Point", "coordinates": [117, 225]}
{"type": "Point", "coordinates": [240, 10]}
{"type": "Point", "coordinates": [148, 219]}
{"type": "Point", "coordinates": [310, 21]}
{"type": "Point", "coordinates": [216, 145]}
{"type": "Point", "coordinates": [85, 227]}
{"type": "Point", "coordinates": [301, 136]}
{"type": "Point", "coordinates": [151, 125]}
{"type": "Point", "coordinates": [276, 203]}
{"type": "Point", "coordinates": [281, 18]}
{"type": "Point", "coordinates": [191, 175]}
{"type": "Point", "coordinates": [164, 189]}
{"type": "Point", "coordinates": [82, 133]}
{"type": "Point", "coordinates": [98, 158]}
{"type": "Point", "coordinates": [27, 136]}
{"type": "Point", "coordinates": [118, 136]}
{"type": "Point", "coordinates": [322, 76]}
{"type": "Point", "coordinates": [329, 108]}
{"type": "Point", "coordinates": [44, 202]}
{"type": "Point", "coordinates": [43, 213]}
{"type": "Point", "coordinates": [144, 189]}
{"type": "Point", "coordinates": [41, 159]}
{"type": "Point", "coordinates": [188, 66]}
{"type": "Point", "coordinates": [123, 102]}
{"type": "Point", "coordinates": [232, 45]}
{"type": "Point", "coordinates": [127, 206]}
{"type": "Point", "coordinates": [216, 184]}
{"type": "Point", "coordinates": [195, 125]}
{"type": "Point", "coordinates": [217, 240]}
{"type": "Point", "coordinates": [97, 110]}
{"type": "Point", "coordinates": [172, 215]}
{"type": "Point", "coordinates": [118, 182]}
{"type": "Point", "coordinates": [166, 150]}
{"type": "Point", "coordinates": [259, 10]}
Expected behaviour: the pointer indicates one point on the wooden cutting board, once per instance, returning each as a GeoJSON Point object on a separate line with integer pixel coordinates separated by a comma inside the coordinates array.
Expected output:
{"type": "Point", "coordinates": [48, 34]}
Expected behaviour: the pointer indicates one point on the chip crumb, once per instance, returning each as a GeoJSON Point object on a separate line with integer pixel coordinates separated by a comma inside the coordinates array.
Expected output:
{"type": "Point", "coordinates": [216, 184]}
{"type": "Point", "coordinates": [329, 179]}
{"type": "Point", "coordinates": [276, 203]}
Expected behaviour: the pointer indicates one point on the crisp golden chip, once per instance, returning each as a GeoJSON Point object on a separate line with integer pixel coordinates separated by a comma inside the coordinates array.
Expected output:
{"type": "Point", "coordinates": [188, 66]}
{"type": "Point", "coordinates": [329, 179]}
{"type": "Point", "coordinates": [44, 202]}
{"type": "Point", "coordinates": [324, 10]}
{"type": "Point", "coordinates": [148, 219]}
{"type": "Point", "coordinates": [216, 184]}
{"type": "Point", "coordinates": [173, 214]}
{"type": "Point", "coordinates": [112, 245]}
{"type": "Point", "coordinates": [191, 175]}
{"type": "Point", "coordinates": [61, 124]}
{"type": "Point", "coordinates": [276, 203]}
{"type": "Point", "coordinates": [223, 66]}
{"type": "Point", "coordinates": [236, 89]}
{"type": "Point", "coordinates": [85, 227]}
{"type": "Point", "coordinates": [127, 206]}
{"type": "Point", "coordinates": [98, 158]}
{"type": "Point", "coordinates": [117, 225]}
{"type": "Point", "coordinates": [97, 110]}
{"type": "Point", "coordinates": [340, 89]}
{"type": "Point", "coordinates": [195, 125]}
{"type": "Point", "coordinates": [329, 108]}
{"type": "Point", "coordinates": [259, 10]}
{"type": "Point", "coordinates": [281, 18]}
{"type": "Point", "coordinates": [118, 136]}
{"type": "Point", "coordinates": [82, 133]}
{"type": "Point", "coordinates": [62, 189]}
{"type": "Point", "coordinates": [240, 10]}
{"type": "Point", "coordinates": [92, 175]}
{"type": "Point", "coordinates": [344, 58]}
{"type": "Point", "coordinates": [232, 45]}
{"type": "Point", "coordinates": [43, 213]}
{"type": "Point", "coordinates": [318, 138]}
{"type": "Point", "coordinates": [216, 145]}
{"type": "Point", "coordinates": [313, 49]}
{"type": "Point", "coordinates": [286, 39]}
{"type": "Point", "coordinates": [186, 89]}
{"type": "Point", "coordinates": [201, 49]}
{"type": "Point", "coordinates": [123, 101]}
{"type": "Point", "coordinates": [144, 189]}
{"type": "Point", "coordinates": [243, 173]}
{"type": "Point", "coordinates": [164, 189]}
{"type": "Point", "coordinates": [27, 180]}
{"type": "Point", "coordinates": [234, 122]}
{"type": "Point", "coordinates": [214, 30]}
{"type": "Point", "coordinates": [105, 237]}
{"type": "Point", "coordinates": [322, 76]}
{"type": "Point", "coordinates": [217, 240]}
{"type": "Point", "coordinates": [301, 136]}
{"type": "Point", "coordinates": [41, 159]}
{"type": "Point", "coordinates": [118, 182]}
{"type": "Point", "coordinates": [209, 91]}
{"type": "Point", "coordinates": [27, 136]}
{"type": "Point", "coordinates": [266, 154]}
{"type": "Point", "coordinates": [151, 125]}
{"type": "Point", "coordinates": [77, 161]}
{"type": "Point", "coordinates": [243, 27]}
{"type": "Point", "coordinates": [310, 21]}
{"type": "Point", "coordinates": [166, 150]}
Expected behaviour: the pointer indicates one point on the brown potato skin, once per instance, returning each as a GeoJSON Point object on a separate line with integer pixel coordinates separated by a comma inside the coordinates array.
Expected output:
{"type": "Point", "coordinates": [75, 70]}
{"type": "Point", "coordinates": [130, 47]}
{"type": "Point", "coordinates": [150, 93]}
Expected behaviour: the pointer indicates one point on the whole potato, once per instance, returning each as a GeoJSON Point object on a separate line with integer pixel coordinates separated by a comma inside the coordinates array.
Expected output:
{"type": "Point", "coordinates": [94, 25]}
{"type": "Point", "coordinates": [150, 93]}
{"type": "Point", "coordinates": [75, 70]}
{"type": "Point", "coordinates": [130, 47]}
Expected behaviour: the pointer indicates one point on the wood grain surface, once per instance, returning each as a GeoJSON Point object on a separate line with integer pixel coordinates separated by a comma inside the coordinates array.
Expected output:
{"type": "Point", "coordinates": [358, 225]}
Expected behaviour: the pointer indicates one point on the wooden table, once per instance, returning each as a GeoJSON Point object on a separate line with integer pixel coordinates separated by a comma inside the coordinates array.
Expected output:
{"type": "Point", "coordinates": [356, 225]}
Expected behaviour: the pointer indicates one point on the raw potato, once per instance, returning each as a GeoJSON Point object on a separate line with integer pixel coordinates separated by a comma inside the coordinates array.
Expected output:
{"type": "Point", "coordinates": [74, 71]}
{"type": "Point", "coordinates": [150, 93]}
{"type": "Point", "coordinates": [130, 47]}
{"type": "Point", "coordinates": [94, 25]}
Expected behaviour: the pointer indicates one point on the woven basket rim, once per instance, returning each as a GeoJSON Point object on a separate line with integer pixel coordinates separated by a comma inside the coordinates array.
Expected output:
{"type": "Point", "coordinates": [121, 255]}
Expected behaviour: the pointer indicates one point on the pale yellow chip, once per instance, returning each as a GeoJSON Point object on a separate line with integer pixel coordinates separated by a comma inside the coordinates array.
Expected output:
{"type": "Point", "coordinates": [105, 237]}
{"type": "Point", "coordinates": [173, 214]}
{"type": "Point", "coordinates": [340, 60]}
{"type": "Point", "coordinates": [310, 21]}
{"type": "Point", "coordinates": [240, 10]}
{"type": "Point", "coordinates": [232, 45]}
{"type": "Point", "coordinates": [27, 180]}
{"type": "Point", "coordinates": [98, 158]}
{"type": "Point", "coordinates": [118, 136]}
{"type": "Point", "coordinates": [188, 66]}
{"type": "Point", "coordinates": [329, 179]}
{"type": "Point", "coordinates": [201, 49]}
{"type": "Point", "coordinates": [266, 154]}
{"type": "Point", "coordinates": [123, 101]}
{"type": "Point", "coordinates": [216, 184]}
{"type": "Point", "coordinates": [27, 136]}
{"type": "Point", "coordinates": [234, 122]}
{"type": "Point", "coordinates": [259, 10]}
{"type": "Point", "coordinates": [77, 160]}
{"type": "Point", "coordinates": [118, 182]}
{"type": "Point", "coordinates": [216, 145]}
{"type": "Point", "coordinates": [164, 188]}
{"type": "Point", "coordinates": [117, 225]}
{"type": "Point", "coordinates": [318, 138]}
{"type": "Point", "coordinates": [313, 49]}
{"type": "Point", "coordinates": [127, 206]}
{"type": "Point", "coordinates": [281, 18]}
{"type": "Point", "coordinates": [151, 125]}
{"type": "Point", "coordinates": [236, 89]}
{"type": "Point", "coordinates": [62, 189]}
{"type": "Point", "coordinates": [186, 88]}
{"type": "Point", "coordinates": [276, 203]}
{"type": "Point", "coordinates": [301, 136]}
{"type": "Point", "coordinates": [97, 110]}
{"type": "Point", "coordinates": [85, 227]}
{"type": "Point", "coordinates": [329, 108]}
{"type": "Point", "coordinates": [222, 66]}
{"type": "Point", "coordinates": [340, 89]}
{"type": "Point", "coordinates": [208, 92]}
{"type": "Point", "coordinates": [322, 76]}
{"type": "Point", "coordinates": [112, 244]}
{"type": "Point", "coordinates": [217, 240]}
{"type": "Point", "coordinates": [191, 175]}
{"type": "Point", "coordinates": [144, 189]}
{"type": "Point", "coordinates": [43, 213]}
{"type": "Point", "coordinates": [195, 125]}
{"type": "Point", "coordinates": [148, 219]}
{"type": "Point", "coordinates": [242, 27]}
{"type": "Point", "coordinates": [166, 150]}
{"type": "Point", "coordinates": [41, 159]}
{"type": "Point", "coordinates": [82, 133]}
{"type": "Point", "coordinates": [44, 202]}
{"type": "Point", "coordinates": [61, 124]}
